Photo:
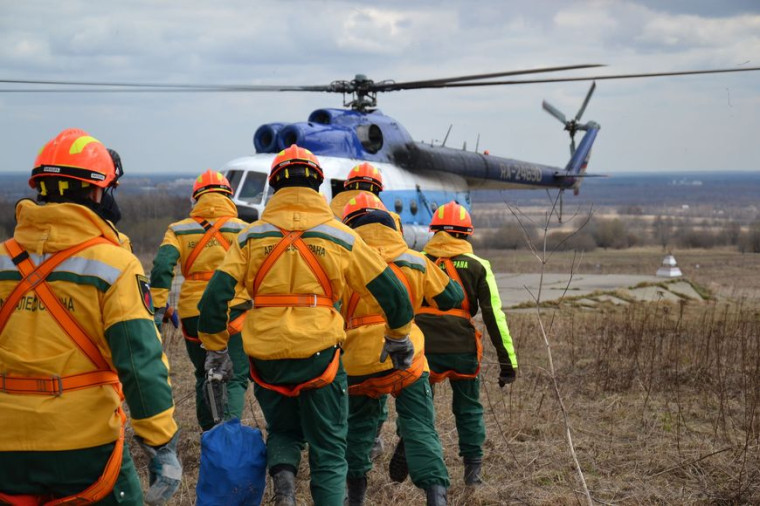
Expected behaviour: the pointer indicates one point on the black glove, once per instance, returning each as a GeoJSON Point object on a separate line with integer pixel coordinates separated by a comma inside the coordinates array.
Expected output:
{"type": "Point", "coordinates": [218, 365]}
{"type": "Point", "coordinates": [400, 350]}
{"type": "Point", "coordinates": [165, 470]}
{"type": "Point", "coordinates": [507, 375]}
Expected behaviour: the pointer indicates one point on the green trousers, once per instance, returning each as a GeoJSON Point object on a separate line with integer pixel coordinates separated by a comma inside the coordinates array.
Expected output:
{"type": "Point", "coordinates": [416, 425]}
{"type": "Point", "coordinates": [317, 417]}
{"type": "Point", "coordinates": [468, 411]}
{"type": "Point", "coordinates": [236, 387]}
{"type": "Point", "coordinates": [63, 473]}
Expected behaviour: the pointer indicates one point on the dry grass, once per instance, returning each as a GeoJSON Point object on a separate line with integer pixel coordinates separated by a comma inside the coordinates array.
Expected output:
{"type": "Point", "coordinates": [664, 403]}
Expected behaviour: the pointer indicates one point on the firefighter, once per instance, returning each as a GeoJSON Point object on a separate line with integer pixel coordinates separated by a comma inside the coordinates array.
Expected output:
{"type": "Point", "coordinates": [369, 381]}
{"type": "Point", "coordinates": [77, 338]}
{"type": "Point", "coordinates": [198, 243]}
{"type": "Point", "coordinates": [452, 342]}
{"type": "Point", "coordinates": [296, 262]}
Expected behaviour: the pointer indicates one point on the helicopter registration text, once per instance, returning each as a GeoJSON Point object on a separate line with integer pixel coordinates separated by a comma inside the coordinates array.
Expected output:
{"type": "Point", "coordinates": [519, 172]}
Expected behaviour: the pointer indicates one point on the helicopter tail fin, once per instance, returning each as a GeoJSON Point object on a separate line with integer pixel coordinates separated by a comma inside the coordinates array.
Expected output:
{"type": "Point", "coordinates": [576, 167]}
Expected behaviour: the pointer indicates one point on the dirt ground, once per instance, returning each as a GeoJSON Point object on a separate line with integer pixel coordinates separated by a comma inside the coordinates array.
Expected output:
{"type": "Point", "coordinates": [662, 400]}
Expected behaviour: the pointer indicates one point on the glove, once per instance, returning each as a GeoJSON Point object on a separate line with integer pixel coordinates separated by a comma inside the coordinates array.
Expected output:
{"type": "Point", "coordinates": [165, 471]}
{"type": "Point", "coordinates": [507, 376]}
{"type": "Point", "coordinates": [171, 315]}
{"type": "Point", "coordinates": [400, 350]}
{"type": "Point", "coordinates": [218, 365]}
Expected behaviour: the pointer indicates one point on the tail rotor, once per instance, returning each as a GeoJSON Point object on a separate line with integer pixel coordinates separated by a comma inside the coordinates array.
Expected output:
{"type": "Point", "coordinates": [574, 124]}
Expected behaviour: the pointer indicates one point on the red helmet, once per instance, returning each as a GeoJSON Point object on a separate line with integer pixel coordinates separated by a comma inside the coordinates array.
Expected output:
{"type": "Point", "coordinates": [365, 173]}
{"type": "Point", "coordinates": [451, 217]}
{"type": "Point", "coordinates": [295, 161]}
{"type": "Point", "coordinates": [360, 205]}
{"type": "Point", "coordinates": [74, 154]}
{"type": "Point", "coordinates": [211, 181]}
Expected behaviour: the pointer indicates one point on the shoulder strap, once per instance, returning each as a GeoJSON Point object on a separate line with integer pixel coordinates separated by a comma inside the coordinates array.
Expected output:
{"type": "Point", "coordinates": [293, 237]}
{"type": "Point", "coordinates": [453, 274]}
{"type": "Point", "coordinates": [34, 279]}
{"type": "Point", "coordinates": [211, 231]}
{"type": "Point", "coordinates": [353, 301]}
{"type": "Point", "coordinates": [404, 280]}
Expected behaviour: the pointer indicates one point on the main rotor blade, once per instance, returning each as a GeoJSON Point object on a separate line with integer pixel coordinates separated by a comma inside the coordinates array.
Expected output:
{"type": "Point", "coordinates": [554, 111]}
{"type": "Point", "coordinates": [408, 85]}
{"type": "Point", "coordinates": [338, 86]}
{"type": "Point", "coordinates": [110, 86]}
{"type": "Point", "coordinates": [597, 78]}
{"type": "Point", "coordinates": [114, 87]}
{"type": "Point", "coordinates": [585, 101]}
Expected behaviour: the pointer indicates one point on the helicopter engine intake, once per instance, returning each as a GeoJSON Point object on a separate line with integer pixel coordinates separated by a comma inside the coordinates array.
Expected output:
{"type": "Point", "coordinates": [265, 137]}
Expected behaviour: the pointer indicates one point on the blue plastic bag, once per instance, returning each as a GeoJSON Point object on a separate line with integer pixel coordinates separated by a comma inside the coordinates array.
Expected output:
{"type": "Point", "coordinates": [233, 466]}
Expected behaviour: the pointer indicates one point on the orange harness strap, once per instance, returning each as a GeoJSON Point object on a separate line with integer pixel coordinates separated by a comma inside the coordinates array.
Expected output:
{"type": "Point", "coordinates": [391, 383]}
{"type": "Point", "coordinates": [464, 312]}
{"type": "Point", "coordinates": [211, 231]}
{"type": "Point", "coordinates": [34, 279]}
{"type": "Point", "coordinates": [320, 381]}
{"type": "Point", "coordinates": [293, 238]}
{"type": "Point", "coordinates": [353, 322]}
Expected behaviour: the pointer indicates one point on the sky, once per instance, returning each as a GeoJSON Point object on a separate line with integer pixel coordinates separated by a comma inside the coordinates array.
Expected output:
{"type": "Point", "coordinates": [695, 123]}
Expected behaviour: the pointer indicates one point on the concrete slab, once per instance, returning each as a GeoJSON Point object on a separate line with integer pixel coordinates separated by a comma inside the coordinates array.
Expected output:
{"type": "Point", "coordinates": [516, 289]}
{"type": "Point", "coordinates": [684, 289]}
{"type": "Point", "coordinates": [654, 293]}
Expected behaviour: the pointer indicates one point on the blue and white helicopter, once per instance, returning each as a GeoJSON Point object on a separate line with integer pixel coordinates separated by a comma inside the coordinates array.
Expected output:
{"type": "Point", "coordinates": [417, 176]}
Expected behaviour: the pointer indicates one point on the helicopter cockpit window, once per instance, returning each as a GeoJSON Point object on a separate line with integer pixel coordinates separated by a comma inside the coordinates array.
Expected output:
{"type": "Point", "coordinates": [233, 177]}
{"type": "Point", "coordinates": [398, 205]}
{"type": "Point", "coordinates": [413, 207]}
{"type": "Point", "coordinates": [371, 137]}
{"type": "Point", "coordinates": [253, 187]}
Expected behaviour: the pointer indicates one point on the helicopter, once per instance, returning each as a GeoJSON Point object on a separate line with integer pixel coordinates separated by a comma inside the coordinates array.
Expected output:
{"type": "Point", "coordinates": [417, 176]}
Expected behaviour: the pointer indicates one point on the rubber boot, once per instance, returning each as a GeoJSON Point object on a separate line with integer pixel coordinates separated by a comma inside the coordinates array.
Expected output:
{"type": "Point", "coordinates": [357, 489]}
{"type": "Point", "coordinates": [398, 469]}
{"type": "Point", "coordinates": [436, 495]}
{"type": "Point", "coordinates": [472, 466]}
{"type": "Point", "coordinates": [284, 482]}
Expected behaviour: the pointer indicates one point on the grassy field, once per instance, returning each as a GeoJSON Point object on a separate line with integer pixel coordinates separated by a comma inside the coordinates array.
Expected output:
{"type": "Point", "coordinates": [662, 400]}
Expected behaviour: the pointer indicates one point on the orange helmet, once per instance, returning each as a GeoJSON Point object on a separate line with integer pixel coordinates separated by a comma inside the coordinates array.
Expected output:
{"type": "Point", "coordinates": [74, 154]}
{"type": "Point", "coordinates": [364, 173]}
{"type": "Point", "coordinates": [295, 161]}
{"type": "Point", "coordinates": [360, 205]}
{"type": "Point", "coordinates": [451, 217]}
{"type": "Point", "coordinates": [211, 181]}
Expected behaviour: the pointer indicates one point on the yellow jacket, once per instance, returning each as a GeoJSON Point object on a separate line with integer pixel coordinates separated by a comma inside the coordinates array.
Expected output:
{"type": "Point", "coordinates": [104, 289]}
{"type": "Point", "coordinates": [365, 343]}
{"type": "Point", "coordinates": [178, 244]}
{"type": "Point", "coordinates": [298, 332]}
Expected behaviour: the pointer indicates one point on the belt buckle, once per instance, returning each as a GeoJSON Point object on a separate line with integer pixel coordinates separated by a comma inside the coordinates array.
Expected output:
{"type": "Point", "coordinates": [313, 300]}
{"type": "Point", "coordinates": [57, 381]}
